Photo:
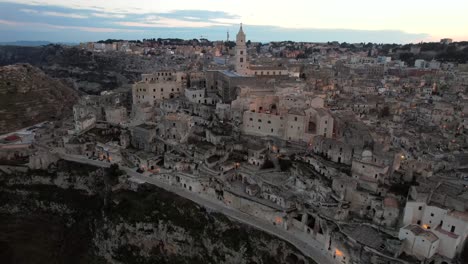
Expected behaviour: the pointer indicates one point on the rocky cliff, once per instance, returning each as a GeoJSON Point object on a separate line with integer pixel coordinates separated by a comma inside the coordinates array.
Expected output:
{"type": "Point", "coordinates": [28, 96]}
{"type": "Point", "coordinates": [75, 214]}
{"type": "Point", "coordinates": [84, 70]}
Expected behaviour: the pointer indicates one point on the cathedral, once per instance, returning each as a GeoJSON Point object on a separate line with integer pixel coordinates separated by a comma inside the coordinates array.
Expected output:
{"type": "Point", "coordinates": [243, 67]}
{"type": "Point", "coordinates": [227, 83]}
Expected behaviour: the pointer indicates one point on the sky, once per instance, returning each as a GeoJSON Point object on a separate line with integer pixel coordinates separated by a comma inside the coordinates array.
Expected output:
{"type": "Point", "coordinates": [397, 21]}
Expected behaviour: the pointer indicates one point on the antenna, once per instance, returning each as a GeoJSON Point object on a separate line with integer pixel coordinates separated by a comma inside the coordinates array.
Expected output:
{"type": "Point", "coordinates": [227, 48]}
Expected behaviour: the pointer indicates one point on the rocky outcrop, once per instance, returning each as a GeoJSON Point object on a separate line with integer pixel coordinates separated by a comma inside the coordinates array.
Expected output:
{"type": "Point", "coordinates": [28, 96]}
{"type": "Point", "coordinates": [83, 70]}
{"type": "Point", "coordinates": [69, 214]}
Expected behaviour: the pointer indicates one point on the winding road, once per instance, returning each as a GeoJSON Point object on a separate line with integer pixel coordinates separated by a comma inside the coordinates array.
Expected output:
{"type": "Point", "coordinates": [308, 247]}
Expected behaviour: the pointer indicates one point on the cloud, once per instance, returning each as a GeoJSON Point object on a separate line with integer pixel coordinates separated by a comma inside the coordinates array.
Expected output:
{"type": "Point", "coordinates": [192, 18]}
{"type": "Point", "coordinates": [108, 15]}
{"type": "Point", "coordinates": [8, 23]}
{"type": "Point", "coordinates": [28, 21]}
{"type": "Point", "coordinates": [226, 20]}
{"type": "Point", "coordinates": [31, 11]}
{"type": "Point", "coordinates": [51, 26]}
{"type": "Point", "coordinates": [58, 14]}
{"type": "Point", "coordinates": [53, 13]}
{"type": "Point", "coordinates": [154, 21]}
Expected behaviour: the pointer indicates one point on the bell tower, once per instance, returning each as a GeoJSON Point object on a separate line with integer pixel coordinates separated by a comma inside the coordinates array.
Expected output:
{"type": "Point", "coordinates": [241, 65]}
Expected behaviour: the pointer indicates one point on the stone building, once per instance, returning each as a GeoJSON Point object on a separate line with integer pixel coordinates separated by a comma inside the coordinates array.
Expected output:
{"type": "Point", "coordinates": [143, 137]}
{"type": "Point", "coordinates": [294, 125]}
{"type": "Point", "coordinates": [159, 86]}
{"type": "Point", "coordinates": [439, 213]}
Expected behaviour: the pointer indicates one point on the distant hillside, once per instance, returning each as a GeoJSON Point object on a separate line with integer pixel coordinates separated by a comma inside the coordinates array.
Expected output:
{"type": "Point", "coordinates": [28, 96]}
{"type": "Point", "coordinates": [86, 71]}
{"type": "Point", "coordinates": [26, 43]}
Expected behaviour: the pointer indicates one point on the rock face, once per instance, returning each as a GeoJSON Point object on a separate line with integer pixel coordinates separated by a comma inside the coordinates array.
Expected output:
{"type": "Point", "coordinates": [28, 96]}
{"type": "Point", "coordinates": [84, 70]}
{"type": "Point", "coordinates": [71, 215]}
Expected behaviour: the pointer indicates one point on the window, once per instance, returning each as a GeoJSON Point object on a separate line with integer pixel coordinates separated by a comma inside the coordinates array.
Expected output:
{"type": "Point", "coordinates": [259, 120]}
{"type": "Point", "coordinates": [452, 229]}
{"type": "Point", "coordinates": [251, 119]}
{"type": "Point", "coordinates": [420, 208]}
{"type": "Point", "coordinates": [272, 130]}
{"type": "Point", "coordinates": [241, 59]}
{"type": "Point", "coordinates": [295, 118]}
{"type": "Point", "coordinates": [162, 89]}
{"type": "Point", "coordinates": [258, 128]}
{"type": "Point", "coordinates": [241, 52]}
{"type": "Point", "coordinates": [432, 214]}
{"type": "Point", "coordinates": [418, 222]}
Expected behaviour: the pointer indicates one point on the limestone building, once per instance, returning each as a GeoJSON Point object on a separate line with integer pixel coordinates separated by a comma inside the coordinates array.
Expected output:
{"type": "Point", "coordinates": [243, 67]}
{"type": "Point", "coordinates": [158, 86]}
{"type": "Point", "coordinates": [435, 221]}
{"type": "Point", "coordinates": [294, 125]}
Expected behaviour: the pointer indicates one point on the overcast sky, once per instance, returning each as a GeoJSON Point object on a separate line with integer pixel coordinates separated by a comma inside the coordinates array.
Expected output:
{"type": "Point", "coordinates": [397, 21]}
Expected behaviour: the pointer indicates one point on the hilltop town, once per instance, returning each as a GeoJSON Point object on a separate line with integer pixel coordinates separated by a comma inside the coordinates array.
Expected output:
{"type": "Point", "coordinates": [353, 153]}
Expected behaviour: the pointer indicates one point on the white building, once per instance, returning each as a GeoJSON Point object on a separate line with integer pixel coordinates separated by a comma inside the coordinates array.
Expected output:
{"type": "Point", "coordinates": [442, 211]}
{"type": "Point", "coordinates": [420, 64]}
{"type": "Point", "coordinates": [419, 242]}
